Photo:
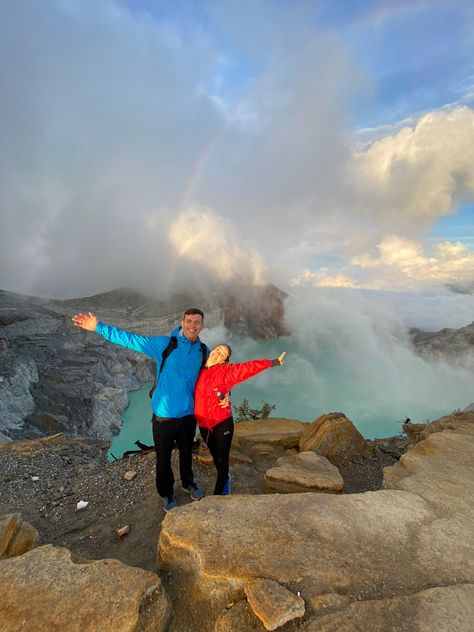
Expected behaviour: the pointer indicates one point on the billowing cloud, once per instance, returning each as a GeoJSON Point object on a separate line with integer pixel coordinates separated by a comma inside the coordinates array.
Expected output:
{"type": "Point", "coordinates": [110, 129]}
{"type": "Point", "coordinates": [130, 140]}
{"type": "Point", "coordinates": [405, 259]}
{"type": "Point", "coordinates": [397, 263]}
{"type": "Point", "coordinates": [409, 179]}
{"type": "Point", "coordinates": [213, 242]}
{"type": "Point", "coordinates": [323, 278]}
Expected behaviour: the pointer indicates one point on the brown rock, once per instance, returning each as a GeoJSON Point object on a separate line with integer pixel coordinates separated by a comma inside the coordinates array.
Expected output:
{"type": "Point", "coordinates": [282, 432]}
{"type": "Point", "coordinates": [337, 541]}
{"type": "Point", "coordinates": [236, 456]}
{"type": "Point", "coordinates": [129, 475]}
{"type": "Point", "coordinates": [205, 458]}
{"type": "Point", "coordinates": [335, 437]}
{"type": "Point", "coordinates": [44, 586]}
{"type": "Point", "coordinates": [263, 449]}
{"type": "Point", "coordinates": [16, 537]}
{"type": "Point", "coordinates": [272, 603]}
{"type": "Point", "coordinates": [239, 618]}
{"type": "Point", "coordinates": [328, 602]}
{"type": "Point", "coordinates": [304, 472]}
{"type": "Point", "coordinates": [457, 421]}
{"type": "Point", "coordinates": [376, 550]}
{"type": "Point", "coordinates": [26, 446]}
{"type": "Point", "coordinates": [123, 531]}
{"type": "Point", "coordinates": [445, 609]}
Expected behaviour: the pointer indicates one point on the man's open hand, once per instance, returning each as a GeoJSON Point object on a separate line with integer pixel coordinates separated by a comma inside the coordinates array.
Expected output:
{"type": "Point", "coordinates": [85, 321]}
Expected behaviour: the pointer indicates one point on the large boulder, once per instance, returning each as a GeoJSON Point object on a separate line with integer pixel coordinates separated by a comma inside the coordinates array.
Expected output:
{"type": "Point", "coordinates": [304, 472]}
{"type": "Point", "coordinates": [46, 591]}
{"type": "Point", "coordinates": [361, 544]}
{"type": "Point", "coordinates": [335, 437]}
{"type": "Point", "coordinates": [357, 560]}
{"type": "Point", "coordinates": [278, 432]}
{"type": "Point", "coordinates": [16, 537]}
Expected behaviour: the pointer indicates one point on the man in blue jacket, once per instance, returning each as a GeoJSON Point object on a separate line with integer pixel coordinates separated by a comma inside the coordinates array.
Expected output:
{"type": "Point", "coordinates": [173, 398]}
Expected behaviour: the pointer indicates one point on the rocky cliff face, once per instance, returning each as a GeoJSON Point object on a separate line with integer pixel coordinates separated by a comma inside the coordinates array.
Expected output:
{"type": "Point", "coordinates": [449, 344]}
{"type": "Point", "coordinates": [56, 378]}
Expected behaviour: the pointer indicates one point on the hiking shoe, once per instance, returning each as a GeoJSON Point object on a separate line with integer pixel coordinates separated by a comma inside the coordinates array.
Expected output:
{"type": "Point", "coordinates": [169, 503]}
{"type": "Point", "coordinates": [226, 490]}
{"type": "Point", "coordinates": [196, 492]}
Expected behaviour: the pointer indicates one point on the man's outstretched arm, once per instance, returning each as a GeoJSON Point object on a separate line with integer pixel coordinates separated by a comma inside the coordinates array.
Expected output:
{"type": "Point", "coordinates": [153, 346]}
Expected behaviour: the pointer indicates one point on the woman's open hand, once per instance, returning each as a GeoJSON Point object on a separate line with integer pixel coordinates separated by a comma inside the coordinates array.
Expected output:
{"type": "Point", "coordinates": [279, 361]}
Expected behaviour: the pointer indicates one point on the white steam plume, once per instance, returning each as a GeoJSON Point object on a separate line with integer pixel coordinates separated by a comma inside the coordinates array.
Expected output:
{"type": "Point", "coordinates": [351, 352]}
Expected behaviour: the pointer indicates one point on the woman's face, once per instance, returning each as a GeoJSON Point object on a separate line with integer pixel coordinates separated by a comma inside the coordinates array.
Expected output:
{"type": "Point", "coordinates": [218, 355]}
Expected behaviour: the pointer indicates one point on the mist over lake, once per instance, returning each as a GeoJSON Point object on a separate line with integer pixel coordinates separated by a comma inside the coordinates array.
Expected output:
{"type": "Point", "coordinates": [347, 352]}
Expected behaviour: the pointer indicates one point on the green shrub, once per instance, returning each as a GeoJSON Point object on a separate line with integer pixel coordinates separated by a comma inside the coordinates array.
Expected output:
{"type": "Point", "coordinates": [245, 413]}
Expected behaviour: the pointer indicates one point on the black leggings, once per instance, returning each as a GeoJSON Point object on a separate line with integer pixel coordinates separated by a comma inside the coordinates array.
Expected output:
{"type": "Point", "coordinates": [165, 432]}
{"type": "Point", "coordinates": [219, 440]}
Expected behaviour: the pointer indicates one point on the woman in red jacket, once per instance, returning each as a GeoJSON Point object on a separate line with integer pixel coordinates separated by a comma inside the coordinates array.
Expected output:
{"type": "Point", "coordinates": [215, 422]}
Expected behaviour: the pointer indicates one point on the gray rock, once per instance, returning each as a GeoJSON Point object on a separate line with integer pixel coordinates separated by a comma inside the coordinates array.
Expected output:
{"type": "Point", "coordinates": [16, 401]}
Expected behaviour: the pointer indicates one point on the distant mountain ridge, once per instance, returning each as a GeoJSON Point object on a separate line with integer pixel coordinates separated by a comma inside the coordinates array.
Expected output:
{"type": "Point", "coordinates": [447, 343]}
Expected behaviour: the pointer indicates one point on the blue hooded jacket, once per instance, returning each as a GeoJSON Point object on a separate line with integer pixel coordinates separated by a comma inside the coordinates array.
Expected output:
{"type": "Point", "coordinates": [174, 392]}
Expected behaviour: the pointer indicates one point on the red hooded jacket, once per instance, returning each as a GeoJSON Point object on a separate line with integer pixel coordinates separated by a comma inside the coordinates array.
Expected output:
{"type": "Point", "coordinates": [220, 378]}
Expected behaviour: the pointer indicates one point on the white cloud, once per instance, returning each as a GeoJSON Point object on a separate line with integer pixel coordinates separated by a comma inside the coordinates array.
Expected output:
{"type": "Point", "coordinates": [409, 179]}
{"type": "Point", "coordinates": [323, 278]}
{"type": "Point", "coordinates": [396, 262]}
{"type": "Point", "coordinates": [212, 241]}
{"type": "Point", "coordinates": [111, 143]}
{"type": "Point", "coordinates": [405, 259]}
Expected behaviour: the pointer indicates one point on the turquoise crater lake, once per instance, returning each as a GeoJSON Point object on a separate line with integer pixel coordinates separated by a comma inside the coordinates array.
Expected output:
{"type": "Point", "coordinates": [374, 386]}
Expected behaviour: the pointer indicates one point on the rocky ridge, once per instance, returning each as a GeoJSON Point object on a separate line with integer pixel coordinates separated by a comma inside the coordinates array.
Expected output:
{"type": "Point", "coordinates": [447, 344]}
{"type": "Point", "coordinates": [56, 378]}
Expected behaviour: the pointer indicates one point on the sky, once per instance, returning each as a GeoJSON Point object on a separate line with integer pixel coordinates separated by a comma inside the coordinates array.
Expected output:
{"type": "Point", "coordinates": [164, 144]}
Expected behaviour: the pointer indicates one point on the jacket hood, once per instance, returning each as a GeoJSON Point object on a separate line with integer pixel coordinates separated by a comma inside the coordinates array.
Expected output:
{"type": "Point", "coordinates": [176, 331]}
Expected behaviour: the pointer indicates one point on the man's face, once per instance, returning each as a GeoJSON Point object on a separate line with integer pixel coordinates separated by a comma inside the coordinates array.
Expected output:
{"type": "Point", "coordinates": [192, 326]}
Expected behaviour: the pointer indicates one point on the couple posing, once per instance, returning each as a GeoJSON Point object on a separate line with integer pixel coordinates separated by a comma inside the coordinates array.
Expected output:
{"type": "Point", "coordinates": [192, 386]}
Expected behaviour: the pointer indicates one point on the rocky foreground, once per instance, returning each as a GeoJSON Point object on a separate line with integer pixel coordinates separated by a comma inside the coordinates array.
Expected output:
{"type": "Point", "coordinates": [312, 557]}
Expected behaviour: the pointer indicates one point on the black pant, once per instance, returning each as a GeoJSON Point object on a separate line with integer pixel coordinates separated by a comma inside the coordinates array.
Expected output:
{"type": "Point", "coordinates": [219, 440]}
{"type": "Point", "coordinates": [165, 432]}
